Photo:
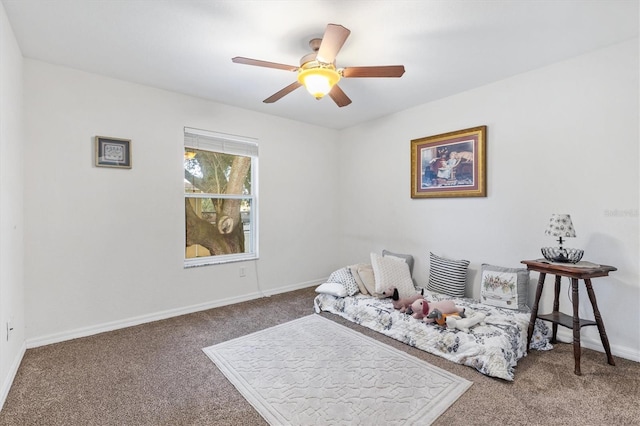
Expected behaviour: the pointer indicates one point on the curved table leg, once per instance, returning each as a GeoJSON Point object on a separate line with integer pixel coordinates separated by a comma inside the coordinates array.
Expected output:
{"type": "Point", "coordinates": [599, 322]}
{"type": "Point", "coordinates": [534, 310]}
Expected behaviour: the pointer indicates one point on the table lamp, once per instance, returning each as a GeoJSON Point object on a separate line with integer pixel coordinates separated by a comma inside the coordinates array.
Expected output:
{"type": "Point", "coordinates": [560, 226]}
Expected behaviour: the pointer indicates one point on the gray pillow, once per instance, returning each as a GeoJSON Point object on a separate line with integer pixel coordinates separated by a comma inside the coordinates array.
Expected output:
{"type": "Point", "coordinates": [504, 287]}
{"type": "Point", "coordinates": [406, 257]}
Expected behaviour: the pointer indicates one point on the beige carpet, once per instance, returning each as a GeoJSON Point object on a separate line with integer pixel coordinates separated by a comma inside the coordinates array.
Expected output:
{"type": "Point", "coordinates": [313, 371]}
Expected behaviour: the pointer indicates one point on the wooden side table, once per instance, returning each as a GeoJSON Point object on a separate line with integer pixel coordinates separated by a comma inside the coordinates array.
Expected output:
{"type": "Point", "coordinates": [574, 322]}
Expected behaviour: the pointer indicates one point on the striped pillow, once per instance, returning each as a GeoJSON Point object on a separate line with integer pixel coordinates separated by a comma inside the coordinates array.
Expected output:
{"type": "Point", "coordinates": [447, 276]}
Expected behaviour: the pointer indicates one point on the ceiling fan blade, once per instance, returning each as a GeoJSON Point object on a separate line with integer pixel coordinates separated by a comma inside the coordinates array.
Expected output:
{"type": "Point", "coordinates": [339, 97]}
{"type": "Point", "coordinates": [281, 93]}
{"type": "Point", "coordinates": [332, 41]}
{"type": "Point", "coordinates": [258, 63]}
{"type": "Point", "coordinates": [382, 71]}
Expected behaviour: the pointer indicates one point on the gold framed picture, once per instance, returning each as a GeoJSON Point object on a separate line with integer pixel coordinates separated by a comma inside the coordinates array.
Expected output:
{"type": "Point", "coordinates": [450, 164]}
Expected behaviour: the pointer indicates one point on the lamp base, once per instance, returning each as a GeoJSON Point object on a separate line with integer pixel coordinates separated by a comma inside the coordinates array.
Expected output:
{"type": "Point", "coordinates": [562, 255]}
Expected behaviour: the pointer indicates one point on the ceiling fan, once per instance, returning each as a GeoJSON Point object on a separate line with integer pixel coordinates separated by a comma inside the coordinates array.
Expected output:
{"type": "Point", "coordinates": [318, 72]}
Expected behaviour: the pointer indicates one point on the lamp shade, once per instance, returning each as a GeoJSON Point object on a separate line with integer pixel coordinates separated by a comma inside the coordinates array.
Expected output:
{"type": "Point", "coordinates": [318, 81]}
{"type": "Point", "coordinates": [560, 226]}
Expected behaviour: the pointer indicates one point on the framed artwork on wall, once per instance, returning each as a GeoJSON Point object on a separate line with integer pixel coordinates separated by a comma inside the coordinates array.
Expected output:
{"type": "Point", "coordinates": [113, 152]}
{"type": "Point", "coordinates": [450, 164]}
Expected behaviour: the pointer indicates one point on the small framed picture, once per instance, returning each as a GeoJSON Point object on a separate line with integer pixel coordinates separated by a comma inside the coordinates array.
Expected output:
{"type": "Point", "coordinates": [113, 152]}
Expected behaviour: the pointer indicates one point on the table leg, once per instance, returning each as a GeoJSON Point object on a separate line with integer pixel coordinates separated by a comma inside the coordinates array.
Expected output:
{"type": "Point", "coordinates": [556, 307]}
{"type": "Point", "coordinates": [534, 310]}
{"type": "Point", "coordinates": [599, 322]}
{"type": "Point", "coordinates": [576, 326]}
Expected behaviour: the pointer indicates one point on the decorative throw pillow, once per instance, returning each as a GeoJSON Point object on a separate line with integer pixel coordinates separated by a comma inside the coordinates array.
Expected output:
{"type": "Point", "coordinates": [334, 289]}
{"type": "Point", "coordinates": [354, 273]}
{"type": "Point", "coordinates": [504, 287]}
{"type": "Point", "coordinates": [447, 276]}
{"type": "Point", "coordinates": [392, 272]}
{"type": "Point", "coordinates": [344, 277]}
{"type": "Point", "coordinates": [406, 257]}
{"type": "Point", "coordinates": [365, 272]}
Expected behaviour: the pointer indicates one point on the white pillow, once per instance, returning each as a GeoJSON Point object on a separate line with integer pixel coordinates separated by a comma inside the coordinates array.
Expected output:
{"type": "Point", "coordinates": [334, 289]}
{"type": "Point", "coordinates": [392, 272]}
{"type": "Point", "coordinates": [406, 257]}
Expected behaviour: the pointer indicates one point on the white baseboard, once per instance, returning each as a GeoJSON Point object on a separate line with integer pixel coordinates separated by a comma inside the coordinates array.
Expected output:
{"type": "Point", "coordinates": [565, 335]}
{"type": "Point", "coordinates": [11, 375]}
{"type": "Point", "coordinates": [143, 319]}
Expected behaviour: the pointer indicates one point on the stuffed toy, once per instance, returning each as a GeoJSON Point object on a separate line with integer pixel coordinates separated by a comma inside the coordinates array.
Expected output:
{"type": "Point", "coordinates": [464, 324]}
{"type": "Point", "coordinates": [441, 319]}
{"type": "Point", "coordinates": [401, 304]}
{"type": "Point", "coordinates": [421, 309]}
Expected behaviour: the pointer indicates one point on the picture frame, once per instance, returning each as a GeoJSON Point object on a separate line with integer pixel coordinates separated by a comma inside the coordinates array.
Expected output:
{"type": "Point", "coordinates": [450, 164]}
{"type": "Point", "coordinates": [112, 152]}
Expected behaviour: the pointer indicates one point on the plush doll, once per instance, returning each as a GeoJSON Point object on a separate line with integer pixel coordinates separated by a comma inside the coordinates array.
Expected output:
{"type": "Point", "coordinates": [464, 324]}
{"type": "Point", "coordinates": [421, 309]}
{"type": "Point", "coordinates": [404, 303]}
{"type": "Point", "coordinates": [441, 319]}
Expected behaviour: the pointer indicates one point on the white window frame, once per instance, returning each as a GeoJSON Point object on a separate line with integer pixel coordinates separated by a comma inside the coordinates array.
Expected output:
{"type": "Point", "coordinates": [230, 144]}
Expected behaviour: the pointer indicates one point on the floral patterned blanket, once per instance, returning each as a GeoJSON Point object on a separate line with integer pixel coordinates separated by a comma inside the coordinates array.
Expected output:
{"type": "Point", "coordinates": [493, 348]}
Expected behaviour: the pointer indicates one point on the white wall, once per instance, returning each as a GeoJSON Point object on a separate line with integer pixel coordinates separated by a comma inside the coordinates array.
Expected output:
{"type": "Point", "coordinates": [562, 139]}
{"type": "Point", "coordinates": [104, 247]}
{"type": "Point", "coordinates": [11, 206]}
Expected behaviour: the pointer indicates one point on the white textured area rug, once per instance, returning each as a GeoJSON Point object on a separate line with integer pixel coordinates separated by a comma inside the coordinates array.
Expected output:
{"type": "Point", "coordinates": [313, 371]}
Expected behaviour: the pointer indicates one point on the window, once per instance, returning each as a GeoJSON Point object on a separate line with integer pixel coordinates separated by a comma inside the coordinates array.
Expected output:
{"type": "Point", "coordinates": [220, 197]}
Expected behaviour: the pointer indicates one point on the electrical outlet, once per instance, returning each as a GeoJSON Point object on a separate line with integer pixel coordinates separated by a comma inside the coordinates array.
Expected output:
{"type": "Point", "coordinates": [9, 329]}
{"type": "Point", "coordinates": [243, 272]}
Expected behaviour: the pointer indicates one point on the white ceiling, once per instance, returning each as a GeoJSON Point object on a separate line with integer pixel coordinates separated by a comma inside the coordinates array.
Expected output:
{"type": "Point", "coordinates": [186, 46]}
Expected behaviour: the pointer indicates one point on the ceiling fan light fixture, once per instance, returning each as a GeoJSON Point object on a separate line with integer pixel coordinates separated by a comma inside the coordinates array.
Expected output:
{"type": "Point", "coordinates": [317, 71]}
{"type": "Point", "coordinates": [318, 81]}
